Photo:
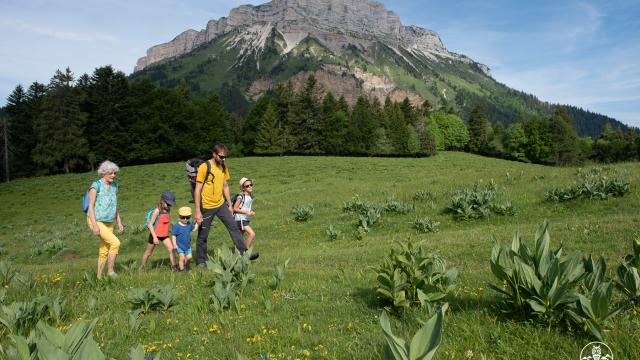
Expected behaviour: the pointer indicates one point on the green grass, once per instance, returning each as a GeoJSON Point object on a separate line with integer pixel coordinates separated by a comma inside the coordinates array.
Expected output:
{"type": "Point", "coordinates": [328, 285]}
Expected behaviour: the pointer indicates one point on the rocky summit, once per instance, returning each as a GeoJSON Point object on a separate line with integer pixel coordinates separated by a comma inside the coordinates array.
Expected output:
{"type": "Point", "coordinates": [336, 24]}
{"type": "Point", "coordinates": [353, 48]}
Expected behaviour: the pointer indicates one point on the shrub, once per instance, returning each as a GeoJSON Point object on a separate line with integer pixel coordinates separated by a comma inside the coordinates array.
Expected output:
{"type": "Point", "coordinates": [413, 276]}
{"type": "Point", "coordinates": [302, 213]}
{"type": "Point", "coordinates": [423, 345]}
{"type": "Point", "coordinates": [426, 225]}
{"type": "Point", "coordinates": [545, 284]}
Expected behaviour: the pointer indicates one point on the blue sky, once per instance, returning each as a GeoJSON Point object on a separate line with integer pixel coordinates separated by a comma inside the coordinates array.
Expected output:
{"type": "Point", "coordinates": [583, 53]}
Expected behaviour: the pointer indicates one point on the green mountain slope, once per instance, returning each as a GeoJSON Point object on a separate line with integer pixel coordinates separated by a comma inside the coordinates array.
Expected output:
{"type": "Point", "coordinates": [241, 72]}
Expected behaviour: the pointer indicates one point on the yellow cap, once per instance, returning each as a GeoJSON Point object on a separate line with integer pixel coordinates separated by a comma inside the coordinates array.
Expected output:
{"type": "Point", "coordinates": [184, 211]}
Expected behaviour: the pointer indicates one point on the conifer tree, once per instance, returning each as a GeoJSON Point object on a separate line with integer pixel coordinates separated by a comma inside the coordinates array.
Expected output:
{"type": "Point", "coordinates": [60, 128]}
{"type": "Point", "coordinates": [564, 140]}
{"type": "Point", "coordinates": [305, 118]}
{"type": "Point", "coordinates": [362, 129]}
{"type": "Point", "coordinates": [252, 122]}
{"type": "Point", "coordinates": [269, 135]}
{"type": "Point", "coordinates": [478, 134]}
{"type": "Point", "coordinates": [397, 128]}
{"type": "Point", "coordinates": [284, 103]}
{"type": "Point", "coordinates": [106, 94]}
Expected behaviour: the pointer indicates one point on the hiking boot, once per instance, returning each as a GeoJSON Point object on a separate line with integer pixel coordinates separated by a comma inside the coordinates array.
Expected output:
{"type": "Point", "coordinates": [254, 256]}
{"type": "Point", "coordinates": [174, 268]}
{"type": "Point", "coordinates": [183, 270]}
{"type": "Point", "coordinates": [112, 275]}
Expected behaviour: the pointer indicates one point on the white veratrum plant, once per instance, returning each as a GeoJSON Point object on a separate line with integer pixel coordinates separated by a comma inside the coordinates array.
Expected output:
{"type": "Point", "coordinates": [413, 276]}
{"type": "Point", "coordinates": [423, 345]}
{"type": "Point", "coordinates": [546, 284]}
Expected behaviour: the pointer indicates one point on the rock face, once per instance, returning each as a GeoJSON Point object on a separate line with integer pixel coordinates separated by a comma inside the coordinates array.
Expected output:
{"type": "Point", "coordinates": [337, 24]}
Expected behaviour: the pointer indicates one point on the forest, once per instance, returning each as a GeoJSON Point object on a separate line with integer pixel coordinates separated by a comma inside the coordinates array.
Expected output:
{"type": "Point", "coordinates": [71, 124]}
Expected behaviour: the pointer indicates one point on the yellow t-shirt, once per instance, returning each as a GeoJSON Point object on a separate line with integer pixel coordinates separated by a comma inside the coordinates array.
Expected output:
{"type": "Point", "coordinates": [212, 189]}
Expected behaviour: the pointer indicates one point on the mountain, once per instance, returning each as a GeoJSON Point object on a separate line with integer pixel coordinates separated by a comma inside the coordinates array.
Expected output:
{"type": "Point", "coordinates": [353, 47]}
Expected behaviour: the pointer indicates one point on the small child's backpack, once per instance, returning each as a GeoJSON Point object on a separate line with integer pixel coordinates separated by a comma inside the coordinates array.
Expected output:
{"type": "Point", "coordinates": [235, 197]}
{"type": "Point", "coordinates": [149, 215]}
{"type": "Point", "coordinates": [85, 198]}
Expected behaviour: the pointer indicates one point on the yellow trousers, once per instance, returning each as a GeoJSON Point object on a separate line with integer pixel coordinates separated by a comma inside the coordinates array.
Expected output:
{"type": "Point", "coordinates": [109, 243]}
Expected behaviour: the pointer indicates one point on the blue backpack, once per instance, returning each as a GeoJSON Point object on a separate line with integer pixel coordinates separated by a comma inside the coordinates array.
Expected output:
{"type": "Point", "coordinates": [235, 197]}
{"type": "Point", "coordinates": [85, 198]}
{"type": "Point", "coordinates": [149, 215]}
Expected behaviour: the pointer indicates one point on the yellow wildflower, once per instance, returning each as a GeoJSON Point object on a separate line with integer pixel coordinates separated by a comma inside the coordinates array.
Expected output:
{"type": "Point", "coordinates": [214, 329]}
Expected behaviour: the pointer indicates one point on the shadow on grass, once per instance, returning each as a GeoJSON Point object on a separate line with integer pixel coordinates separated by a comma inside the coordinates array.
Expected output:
{"type": "Point", "coordinates": [367, 297]}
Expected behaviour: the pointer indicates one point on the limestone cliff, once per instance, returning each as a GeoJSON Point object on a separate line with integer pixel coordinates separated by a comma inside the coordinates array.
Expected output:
{"type": "Point", "coordinates": [337, 24]}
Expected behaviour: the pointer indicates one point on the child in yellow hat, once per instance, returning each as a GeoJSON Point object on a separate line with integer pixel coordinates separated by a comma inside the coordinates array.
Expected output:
{"type": "Point", "coordinates": [181, 237]}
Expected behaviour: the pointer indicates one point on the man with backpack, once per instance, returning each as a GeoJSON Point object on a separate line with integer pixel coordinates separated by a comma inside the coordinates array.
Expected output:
{"type": "Point", "coordinates": [192, 170]}
{"type": "Point", "coordinates": [211, 193]}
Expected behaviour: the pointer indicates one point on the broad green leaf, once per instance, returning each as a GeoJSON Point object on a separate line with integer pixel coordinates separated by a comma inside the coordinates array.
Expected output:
{"type": "Point", "coordinates": [543, 257]}
{"type": "Point", "coordinates": [22, 347]}
{"type": "Point", "coordinates": [426, 341]}
{"type": "Point", "coordinates": [395, 345]}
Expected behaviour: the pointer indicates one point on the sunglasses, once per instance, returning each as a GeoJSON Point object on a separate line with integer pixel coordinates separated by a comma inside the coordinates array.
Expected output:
{"type": "Point", "coordinates": [221, 156]}
{"type": "Point", "coordinates": [248, 186]}
{"type": "Point", "coordinates": [185, 217]}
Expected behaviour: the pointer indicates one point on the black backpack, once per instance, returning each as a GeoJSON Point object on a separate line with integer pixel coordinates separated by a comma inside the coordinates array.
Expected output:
{"type": "Point", "coordinates": [192, 167]}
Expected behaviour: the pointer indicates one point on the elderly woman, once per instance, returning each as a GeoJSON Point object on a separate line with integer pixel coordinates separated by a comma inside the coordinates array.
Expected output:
{"type": "Point", "coordinates": [102, 212]}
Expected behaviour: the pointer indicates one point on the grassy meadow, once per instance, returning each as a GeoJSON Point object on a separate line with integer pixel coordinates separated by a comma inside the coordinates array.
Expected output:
{"type": "Point", "coordinates": [326, 306]}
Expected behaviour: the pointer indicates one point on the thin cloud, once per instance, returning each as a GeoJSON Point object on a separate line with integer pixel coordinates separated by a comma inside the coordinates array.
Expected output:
{"type": "Point", "coordinates": [58, 34]}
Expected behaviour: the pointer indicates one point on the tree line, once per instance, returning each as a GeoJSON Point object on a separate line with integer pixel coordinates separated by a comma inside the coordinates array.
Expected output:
{"type": "Point", "coordinates": [70, 125]}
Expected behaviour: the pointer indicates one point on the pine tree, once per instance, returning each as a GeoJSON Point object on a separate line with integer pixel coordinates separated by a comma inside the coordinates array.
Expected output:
{"type": "Point", "coordinates": [269, 135]}
{"type": "Point", "coordinates": [478, 134]}
{"type": "Point", "coordinates": [564, 145]}
{"type": "Point", "coordinates": [16, 128]}
{"type": "Point", "coordinates": [59, 130]}
{"type": "Point", "coordinates": [305, 118]}
{"type": "Point", "coordinates": [106, 94]}
{"type": "Point", "coordinates": [397, 128]}
{"type": "Point", "coordinates": [252, 122]}
{"type": "Point", "coordinates": [334, 125]}
{"type": "Point", "coordinates": [361, 133]}
{"type": "Point", "coordinates": [284, 102]}
{"type": "Point", "coordinates": [4, 137]}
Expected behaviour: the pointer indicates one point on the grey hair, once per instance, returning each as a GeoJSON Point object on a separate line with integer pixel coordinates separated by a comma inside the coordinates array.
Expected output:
{"type": "Point", "coordinates": [107, 167]}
